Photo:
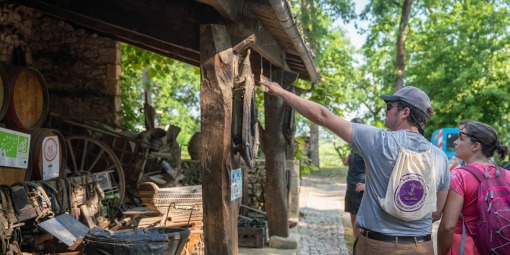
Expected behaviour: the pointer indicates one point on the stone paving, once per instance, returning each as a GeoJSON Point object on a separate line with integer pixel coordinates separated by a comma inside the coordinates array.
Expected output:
{"type": "Point", "coordinates": [320, 230]}
{"type": "Point", "coordinates": [320, 221]}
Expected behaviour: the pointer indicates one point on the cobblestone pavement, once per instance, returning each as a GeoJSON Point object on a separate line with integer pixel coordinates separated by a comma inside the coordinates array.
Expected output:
{"type": "Point", "coordinates": [320, 222]}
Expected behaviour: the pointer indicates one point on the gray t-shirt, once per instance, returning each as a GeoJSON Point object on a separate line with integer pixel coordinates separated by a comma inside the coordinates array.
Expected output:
{"type": "Point", "coordinates": [380, 151]}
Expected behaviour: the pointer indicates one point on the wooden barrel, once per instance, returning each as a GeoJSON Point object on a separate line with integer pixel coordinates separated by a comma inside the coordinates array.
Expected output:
{"type": "Point", "coordinates": [11, 175]}
{"type": "Point", "coordinates": [28, 98]}
{"type": "Point", "coordinates": [4, 92]}
{"type": "Point", "coordinates": [47, 154]}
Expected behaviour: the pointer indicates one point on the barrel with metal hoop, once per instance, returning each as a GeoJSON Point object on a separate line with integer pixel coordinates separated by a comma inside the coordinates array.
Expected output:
{"type": "Point", "coordinates": [28, 98]}
{"type": "Point", "coordinates": [4, 92]}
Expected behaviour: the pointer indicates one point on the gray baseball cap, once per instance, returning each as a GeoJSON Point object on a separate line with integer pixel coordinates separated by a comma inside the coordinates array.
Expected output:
{"type": "Point", "coordinates": [413, 96]}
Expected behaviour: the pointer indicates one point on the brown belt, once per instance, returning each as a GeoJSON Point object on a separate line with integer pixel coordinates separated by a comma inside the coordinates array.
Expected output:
{"type": "Point", "coordinates": [399, 239]}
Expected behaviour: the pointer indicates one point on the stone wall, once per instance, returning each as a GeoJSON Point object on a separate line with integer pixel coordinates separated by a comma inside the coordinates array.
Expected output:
{"type": "Point", "coordinates": [255, 191]}
{"type": "Point", "coordinates": [81, 69]}
{"type": "Point", "coordinates": [15, 29]}
{"type": "Point", "coordinates": [293, 166]}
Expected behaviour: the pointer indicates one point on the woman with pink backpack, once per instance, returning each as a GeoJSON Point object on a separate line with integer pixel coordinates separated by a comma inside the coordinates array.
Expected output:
{"type": "Point", "coordinates": [476, 217]}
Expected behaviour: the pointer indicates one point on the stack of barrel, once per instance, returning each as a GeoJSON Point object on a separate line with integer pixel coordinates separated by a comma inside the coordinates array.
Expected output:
{"type": "Point", "coordinates": [24, 103]}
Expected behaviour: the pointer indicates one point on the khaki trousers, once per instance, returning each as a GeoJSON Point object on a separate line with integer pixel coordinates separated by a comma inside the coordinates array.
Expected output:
{"type": "Point", "coordinates": [366, 246]}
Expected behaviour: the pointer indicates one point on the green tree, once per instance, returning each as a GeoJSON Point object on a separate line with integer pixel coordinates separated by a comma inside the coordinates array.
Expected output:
{"type": "Point", "coordinates": [461, 57]}
{"type": "Point", "coordinates": [175, 90]}
{"type": "Point", "coordinates": [458, 52]}
{"type": "Point", "coordinates": [333, 55]}
{"type": "Point", "coordinates": [378, 71]}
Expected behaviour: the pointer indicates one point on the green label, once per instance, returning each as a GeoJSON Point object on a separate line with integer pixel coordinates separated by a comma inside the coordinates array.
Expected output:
{"type": "Point", "coordinates": [9, 144]}
{"type": "Point", "coordinates": [23, 144]}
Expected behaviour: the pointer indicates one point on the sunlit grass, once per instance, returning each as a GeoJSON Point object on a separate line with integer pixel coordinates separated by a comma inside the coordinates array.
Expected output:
{"type": "Point", "coordinates": [328, 157]}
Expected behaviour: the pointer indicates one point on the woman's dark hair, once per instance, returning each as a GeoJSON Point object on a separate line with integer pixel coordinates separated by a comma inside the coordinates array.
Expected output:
{"type": "Point", "coordinates": [487, 137]}
{"type": "Point", "coordinates": [420, 118]}
{"type": "Point", "coordinates": [464, 122]}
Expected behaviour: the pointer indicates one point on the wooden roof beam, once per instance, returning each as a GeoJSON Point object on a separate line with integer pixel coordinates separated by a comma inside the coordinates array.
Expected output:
{"type": "Point", "coordinates": [229, 9]}
{"type": "Point", "coordinates": [266, 45]}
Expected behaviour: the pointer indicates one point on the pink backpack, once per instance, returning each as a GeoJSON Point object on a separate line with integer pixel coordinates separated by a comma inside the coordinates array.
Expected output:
{"type": "Point", "coordinates": [493, 225]}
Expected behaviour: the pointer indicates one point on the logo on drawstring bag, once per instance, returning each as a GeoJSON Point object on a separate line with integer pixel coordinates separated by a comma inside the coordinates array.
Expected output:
{"type": "Point", "coordinates": [410, 193]}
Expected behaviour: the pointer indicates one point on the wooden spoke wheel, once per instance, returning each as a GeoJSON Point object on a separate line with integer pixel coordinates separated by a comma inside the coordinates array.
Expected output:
{"type": "Point", "coordinates": [87, 155]}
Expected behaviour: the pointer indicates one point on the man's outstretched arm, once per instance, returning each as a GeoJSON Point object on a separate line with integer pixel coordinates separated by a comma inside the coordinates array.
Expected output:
{"type": "Point", "coordinates": [316, 113]}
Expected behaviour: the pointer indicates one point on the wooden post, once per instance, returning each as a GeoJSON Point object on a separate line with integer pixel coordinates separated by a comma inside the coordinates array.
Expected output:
{"type": "Point", "coordinates": [276, 186]}
{"type": "Point", "coordinates": [217, 63]}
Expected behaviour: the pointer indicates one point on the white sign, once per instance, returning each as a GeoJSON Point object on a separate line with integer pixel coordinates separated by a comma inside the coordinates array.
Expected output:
{"type": "Point", "coordinates": [236, 184]}
{"type": "Point", "coordinates": [65, 228]}
{"type": "Point", "coordinates": [51, 157]}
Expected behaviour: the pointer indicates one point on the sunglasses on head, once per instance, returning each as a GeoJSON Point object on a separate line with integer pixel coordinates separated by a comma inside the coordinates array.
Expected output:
{"type": "Point", "coordinates": [466, 134]}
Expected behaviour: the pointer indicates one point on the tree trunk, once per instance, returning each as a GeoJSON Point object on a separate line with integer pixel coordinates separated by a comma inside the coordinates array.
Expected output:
{"type": "Point", "coordinates": [217, 63]}
{"type": "Point", "coordinates": [401, 44]}
{"type": "Point", "coordinates": [314, 144]}
{"type": "Point", "coordinates": [313, 150]}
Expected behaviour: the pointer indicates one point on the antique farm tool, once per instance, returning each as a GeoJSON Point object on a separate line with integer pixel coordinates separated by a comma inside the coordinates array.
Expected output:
{"type": "Point", "coordinates": [89, 156]}
{"type": "Point", "coordinates": [8, 221]}
{"type": "Point", "coordinates": [31, 201]}
{"type": "Point", "coordinates": [244, 109]}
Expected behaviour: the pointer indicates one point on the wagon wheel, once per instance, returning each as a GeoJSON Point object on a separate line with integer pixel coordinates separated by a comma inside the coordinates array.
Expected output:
{"type": "Point", "coordinates": [87, 155]}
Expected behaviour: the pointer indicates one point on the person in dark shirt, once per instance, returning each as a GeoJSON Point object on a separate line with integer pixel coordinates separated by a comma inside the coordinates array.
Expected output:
{"type": "Point", "coordinates": [355, 183]}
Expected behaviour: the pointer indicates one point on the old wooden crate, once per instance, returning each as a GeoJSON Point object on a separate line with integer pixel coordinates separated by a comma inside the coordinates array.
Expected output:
{"type": "Point", "coordinates": [252, 234]}
{"type": "Point", "coordinates": [251, 237]}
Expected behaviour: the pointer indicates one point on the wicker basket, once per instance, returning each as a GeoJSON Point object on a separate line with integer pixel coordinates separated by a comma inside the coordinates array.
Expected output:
{"type": "Point", "coordinates": [180, 203]}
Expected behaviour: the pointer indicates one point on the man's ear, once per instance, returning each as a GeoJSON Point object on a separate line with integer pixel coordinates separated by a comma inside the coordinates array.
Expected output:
{"type": "Point", "coordinates": [406, 112]}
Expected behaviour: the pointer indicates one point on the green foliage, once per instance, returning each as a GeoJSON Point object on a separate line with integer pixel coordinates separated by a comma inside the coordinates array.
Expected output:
{"type": "Point", "coordinates": [462, 59]}
{"type": "Point", "coordinates": [174, 90]}
{"type": "Point", "coordinates": [458, 52]}
{"type": "Point", "coordinates": [333, 50]}
{"type": "Point", "coordinates": [379, 52]}
{"type": "Point", "coordinates": [300, 153]}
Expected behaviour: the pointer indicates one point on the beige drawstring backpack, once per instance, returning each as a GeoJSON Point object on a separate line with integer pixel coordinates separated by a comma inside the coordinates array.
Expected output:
{"type": "Point", "coordinates": [411, 193]}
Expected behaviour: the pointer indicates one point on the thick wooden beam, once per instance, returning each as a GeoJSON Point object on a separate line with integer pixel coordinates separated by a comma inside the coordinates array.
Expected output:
{"type": "Point", "coordinates": [276, 186]}
{"type": "Point", "coordinates": [265, 44]}
{"type": "Point", "coordinates": [229, 9]}
{"type": "Point", "coordinates": [217, 64]}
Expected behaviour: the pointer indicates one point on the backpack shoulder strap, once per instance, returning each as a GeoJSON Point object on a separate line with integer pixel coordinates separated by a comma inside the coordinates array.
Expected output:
{"type": "Point", "coordinates": [479, 177]}
{"type": "Point", "coordinates": [464, 234]}
{"type": "Point", "coordinates": [475, 172]}
{"type": "Point", "coordinates": [500, 173]}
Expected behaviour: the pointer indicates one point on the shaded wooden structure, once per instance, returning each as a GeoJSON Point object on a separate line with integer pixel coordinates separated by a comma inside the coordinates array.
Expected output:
{"type": "Point", "coordinates": [214, 35]}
